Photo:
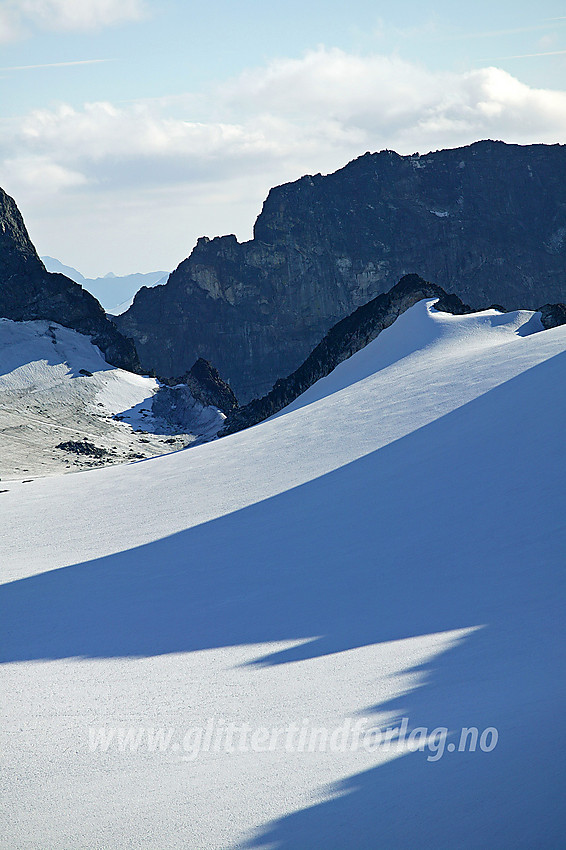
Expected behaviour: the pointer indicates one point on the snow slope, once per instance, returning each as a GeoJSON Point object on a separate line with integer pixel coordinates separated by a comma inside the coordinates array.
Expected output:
{"type": "Point", "coordinates": [55, 386]}
{"type": "Point", "coordinates": [390, 547]}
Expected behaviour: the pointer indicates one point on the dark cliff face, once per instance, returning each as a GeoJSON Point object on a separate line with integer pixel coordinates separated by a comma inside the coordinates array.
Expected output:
{"type": "Point", "coordinates": [28, 291]}
{"type": "Point", "coordinates": [346, 338]}
{"type": "Point", "coordinates": [487, 222]}
{"type": "Point", "coordinates": [553, 315]}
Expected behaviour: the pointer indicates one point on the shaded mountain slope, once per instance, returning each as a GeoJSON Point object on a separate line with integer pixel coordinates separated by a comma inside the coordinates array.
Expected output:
{"type": "Point", "coordinates": [28, 291]}
{"type": "Point", "coordinates": [486, 221]}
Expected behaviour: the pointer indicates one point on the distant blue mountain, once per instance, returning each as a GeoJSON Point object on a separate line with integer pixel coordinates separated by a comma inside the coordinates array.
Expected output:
{"type": "Point", "coordinates": [115, 293]}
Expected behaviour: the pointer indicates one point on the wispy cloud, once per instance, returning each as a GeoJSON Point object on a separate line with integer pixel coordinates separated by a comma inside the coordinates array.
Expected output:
{"type": "Point", "coordinates": [514, 31]}
{"type": "Point", "coordinates": [529, 55]}
{"type": "Point", "coordinates": [19, 18]}
{"type": "Point", "coordinates": [56, 65]}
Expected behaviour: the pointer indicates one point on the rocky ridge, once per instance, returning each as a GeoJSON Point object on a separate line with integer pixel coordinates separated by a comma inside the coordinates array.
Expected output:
{"type": "Point", "coordinates": [486, 221]}
{"type": "Point", "coordinates": [346, 338]}
{"type": "Point", "coordinates": [29, 292]}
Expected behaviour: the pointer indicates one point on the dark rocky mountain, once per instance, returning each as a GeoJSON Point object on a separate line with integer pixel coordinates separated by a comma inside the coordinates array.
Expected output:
{"type": "Point", "coordinates": [206, 386]}
{"type": "Point", "coordinates": [486, 221]}
{"type": "Point", "coordinates": [344, 339]}
{"type": "Point", "coordinates": [28, 291]}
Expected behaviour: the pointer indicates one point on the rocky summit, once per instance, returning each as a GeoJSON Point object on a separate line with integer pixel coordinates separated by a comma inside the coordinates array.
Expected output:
{"type": "Point", "coordinates": [28, 291]}
{"type": "Point", "coordinates": [486, 221]}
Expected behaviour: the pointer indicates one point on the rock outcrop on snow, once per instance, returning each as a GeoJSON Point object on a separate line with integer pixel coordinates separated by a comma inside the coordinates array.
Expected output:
{"type": "Point", "coordinates": [206, 386]}
{"type": "Point", "coordinates": [486, 221]}
{"type": "Point", "coordinates": [553, 315]}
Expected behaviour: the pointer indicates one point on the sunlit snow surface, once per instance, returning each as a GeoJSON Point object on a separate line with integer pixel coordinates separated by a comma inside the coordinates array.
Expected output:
{"type": "Point", "coordinates": [55, 386]}
{"type": "Point", "coordinates": [390, 546]}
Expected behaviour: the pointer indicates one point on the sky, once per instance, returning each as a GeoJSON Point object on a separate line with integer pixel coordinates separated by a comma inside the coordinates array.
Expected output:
{"type": "Point", "coordinates": [129, 128]}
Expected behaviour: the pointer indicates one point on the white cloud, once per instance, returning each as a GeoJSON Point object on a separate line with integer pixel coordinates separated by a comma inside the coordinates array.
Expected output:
{"type": "Point", "coordinates": [269, 125]}
{"type": "Point", "coordinates": [138, 145]}
{"type": "Point", "coordinates": [395, 101]}
{"type": "Point", "coordinates": [332, 82]}
{"type": "Point", "coordinates": [310, 112]}
{"type": "Point", "coordinates": [40, 174]}
{"type": "Point", "coordinates": [18, 17]}
{"type": "Point", "coordinates": [9, 23]}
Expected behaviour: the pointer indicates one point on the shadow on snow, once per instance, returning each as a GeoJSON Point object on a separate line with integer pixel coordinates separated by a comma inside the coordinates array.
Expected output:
{"type": "Point", "coordinates": [458, 524]}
